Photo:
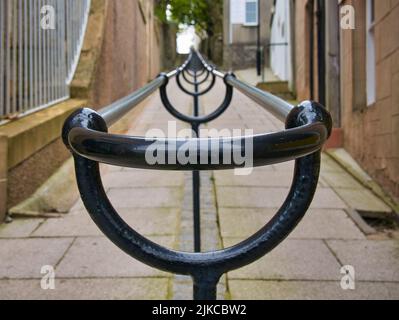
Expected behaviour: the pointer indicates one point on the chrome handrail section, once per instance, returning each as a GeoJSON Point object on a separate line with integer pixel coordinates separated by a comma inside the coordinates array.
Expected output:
{"type": "Point", "coordinates": [308, 126]}
{"type": "Point", "coordinates": [118, 109]}
{"type": "Point", "coordinates": [273, 104]}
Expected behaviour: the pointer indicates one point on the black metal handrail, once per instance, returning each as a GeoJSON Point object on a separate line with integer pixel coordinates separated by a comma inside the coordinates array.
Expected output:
{"type": "Point", "coordinates": [308, 126]}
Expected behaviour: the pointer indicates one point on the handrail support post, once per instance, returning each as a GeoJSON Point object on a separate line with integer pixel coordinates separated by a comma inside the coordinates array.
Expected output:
{"type": "Point", "coordinates": [205, 285]}
{"type": "Point", "coordinates": [196, 178]}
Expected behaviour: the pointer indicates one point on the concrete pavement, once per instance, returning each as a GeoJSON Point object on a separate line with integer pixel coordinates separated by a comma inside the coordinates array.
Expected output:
{"type": "Point", "coordinates": [157, 204]}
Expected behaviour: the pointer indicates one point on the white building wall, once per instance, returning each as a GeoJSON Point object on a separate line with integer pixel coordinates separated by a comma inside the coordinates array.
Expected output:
{"type": "Point", "coordinates": [237, 16]}
{"type": "Point", "coordinates": [237, 11]}
{"type": "Point", "coordinates": [280, 55]}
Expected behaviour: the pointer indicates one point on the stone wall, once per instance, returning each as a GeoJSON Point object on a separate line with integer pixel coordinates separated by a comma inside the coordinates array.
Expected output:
{"type": "Point", "coordinates": [371, 133]}
{"type": "Point", "coordinates": [240, 56]}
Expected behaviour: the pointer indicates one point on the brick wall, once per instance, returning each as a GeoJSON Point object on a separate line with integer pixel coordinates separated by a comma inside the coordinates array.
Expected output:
{"type": "Point", "coordinates": [371, 133]}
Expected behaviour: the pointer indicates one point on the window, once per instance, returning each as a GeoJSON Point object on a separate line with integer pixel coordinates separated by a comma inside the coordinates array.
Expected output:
{"type": "Point", "coordinates": [371, 62]}
{"type": "Point", "coordinates": [251, 12]}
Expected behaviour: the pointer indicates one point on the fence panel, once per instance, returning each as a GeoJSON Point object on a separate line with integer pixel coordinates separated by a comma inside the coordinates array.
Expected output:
{"type": "Point", "coordinates": [40, 45]}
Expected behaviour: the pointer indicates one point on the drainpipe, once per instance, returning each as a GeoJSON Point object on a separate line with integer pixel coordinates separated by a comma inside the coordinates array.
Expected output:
{"type": "Point", "coordinates": [293, 46]}
{"type": "Point", "coordinates": [311, 45]}
{"type": "Point", "coordinates": [321, 55]}
{"type": "Point", "coordinates": [259, 51]}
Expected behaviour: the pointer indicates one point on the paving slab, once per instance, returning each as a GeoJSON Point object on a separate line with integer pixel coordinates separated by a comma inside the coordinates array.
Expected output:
{"type": "Point", "coordinates": [99, 258]}
{"type": "Point", "coordinates": [340, 180]}
{"type": "Point", "coordinates": [311, 290]}
{"type": "Point", "coordinates": [77, 207]}
{"type": "Point", "coordinates": [257, 197]}
{"type": "Point", "coordinates": [317, 223]}
{"type": "Point", "coordinates": [372, 260]}
{"type": "Point", "coordinates": [146, 221]}
{"type": "Point", "coordinates": [326, 198]}
{"type": "Point", "coordinates": [19, 228]}
{"type": "Point", "coordinates": [86, 289]}
{"type": "Point", "coordinates": [142, 178]}
{"type": "Point", "coordinates": [256, 178]}
{"type": "Point", "coordinates": [145, 197]}
{"type": "Point", "coordinates": [24, 258]}
{"type": "Point", "coordinates": [362, 199]}
{"type": "Point", "coordinates": [104, 169]}
{"type": "Point", "coordinates": [291, 260]}
{"type": "Point", "coordinates": [329, 165]}
{"type": "Point", "coordinates": [285, 166]}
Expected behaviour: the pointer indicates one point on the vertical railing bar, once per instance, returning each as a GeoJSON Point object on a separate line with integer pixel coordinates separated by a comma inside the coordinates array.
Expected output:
{"type": "Point", "coordinates": [50, 61]}
{"type": "Point", "coordinates": [30, 54]}
{"type": "Point", "coordinates": [74, 29]}
{"type": "Point", "coordinates": [33, 49]}
{"type": "Point", "coordinates": [45, 48]}
{"type": "Point", "coordinates": [49, 84]}
{"type": "Point", "coordinates": [46, 82]}
{"type": "Point", "coordinates": [196, 178]}
{"type": "Point", "coordinates": [42, 98]}
{"type": "Point", "coordinates": [14, 57]}
{"type": "Point", "coordinates": [49, 33]}
{"type": "Point", "coordinates": [2, 40]}
{"type": "Point", "coordinates": [65, 50]}
{"type": "Point", "coordinates": [68, 32]}
{"type": "Point", "coordinates": [54, 53]}
{"type": "Point", "coordinates": [20, 60]}
{"type": "Point", "coordinates": [43, 61]}
{"type": "Point", "coordinates": [36, 16]}
{"type": "Point", "coordinates": [64, 87]}
{"type": "Point", "coordinates": [59, 57]}
{"type": "Point", "coordinates": [47, 65]}
{"type": "Point", "coordinates": [26, 66]}
{"type": "Point", "coordinates": [8, 20]}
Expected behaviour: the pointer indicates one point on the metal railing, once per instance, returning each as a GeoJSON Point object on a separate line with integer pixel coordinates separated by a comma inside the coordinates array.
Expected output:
{"type": "Point", "coordinates": [308, 126]}
{"type": "Point", "coordinates": [40, 44]}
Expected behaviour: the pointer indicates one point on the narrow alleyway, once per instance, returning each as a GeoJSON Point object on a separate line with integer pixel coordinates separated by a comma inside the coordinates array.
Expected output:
{"type": "Point", "coordinates": [158, 204]}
